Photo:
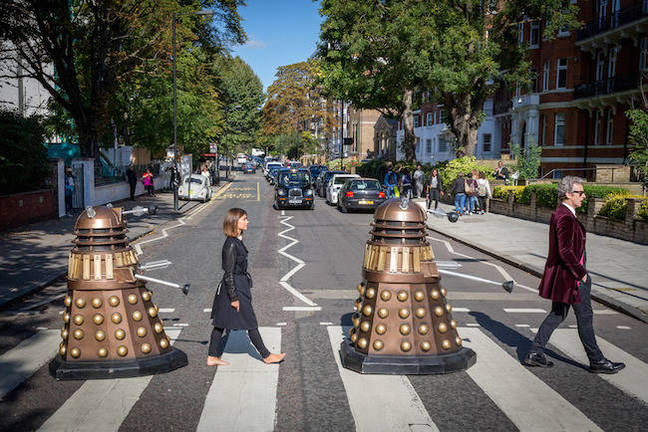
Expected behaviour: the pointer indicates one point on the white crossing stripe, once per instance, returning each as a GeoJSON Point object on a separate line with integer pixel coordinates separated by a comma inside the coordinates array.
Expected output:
{"type": "Point", "coordinates": [399, 407]}
{"type": "Point", "coordinates": [207, 310]}
{"type": "Point", "coordinates": [524, 310]}
{"type": "Point", "coordinates": [605, 312]}
{"type": "Point", "coordinates": [623, 327]}
{"type": "Point", "coordinates": [246, 386]}
{"type": "Point", "coordinates": [632, 380]}
{"type": "Point", "coordinates": [460, 309]}
{"type": "Point", "coordinates": [522, 325]}
{"type": "Point", "coordinates": [302, 308]}
{"type": "Point", "coordinates": [100, 405]}
{"type": "Point", "coordinates": [166, 310]}
{"type": "Point", "coordinates": [22, 361]}
{"type": "Point", "coordinates": [473, 325]}
{"type": "Point", "coordinates": [524, 398]}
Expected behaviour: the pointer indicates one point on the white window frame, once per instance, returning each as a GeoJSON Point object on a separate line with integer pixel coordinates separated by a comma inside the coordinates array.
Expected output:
{"type": "Point", "coordinates": [521, 33]}
{"type": "Point", "coordinates": [428, 146]}
{"type": "Point", "coordinates": [546, 75]}
{"type": "Point", "coordinates": [417, 121]}
{"type": "Point", "coordinates": [602, 11]}
{"type": "Point", "coordinates": [559, 121]}
{"type": "Point", "coordinates": [609, 129]}
{"type": "Point", "coordinates": [544, 130]}
{"type": "Point", "coordinates": [535, 28]}
{"type": "Point", "coordinates": [489, 141]}
{"type": "Point", "coordinates": [560, 68]}
{"type": "Point", "coordinates": [597, 128]}
{"type": "Point", "coordinates": [600, 65]}
{"type": "Point", "coordinates": [443, 148]}
{"type": "Point", "coordinates": [612, 61]}
{"type": "Point", "coordinates": [429, 120]}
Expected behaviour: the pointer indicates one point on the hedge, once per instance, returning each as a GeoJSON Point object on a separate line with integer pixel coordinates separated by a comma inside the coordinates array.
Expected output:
{"type": "Point", "coordinates": [643, 210]}
{"type": "Point", "coordinates": [616, 205]}
{"type": "Point", "coordinates": [501, 192]}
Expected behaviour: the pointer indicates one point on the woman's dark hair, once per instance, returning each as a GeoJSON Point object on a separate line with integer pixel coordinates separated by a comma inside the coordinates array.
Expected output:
{"type": "Point", "coordinates": [230, 224]}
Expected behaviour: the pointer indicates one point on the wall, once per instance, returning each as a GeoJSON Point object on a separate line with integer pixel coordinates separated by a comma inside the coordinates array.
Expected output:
{"type": "Point", "coordinates": [27, 207]}
{"type": "Point", "coordinates": [111, 193]}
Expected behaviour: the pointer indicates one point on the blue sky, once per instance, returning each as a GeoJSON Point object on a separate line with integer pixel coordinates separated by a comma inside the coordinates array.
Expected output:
{"type": "Point", "coordinates": [280, 32]}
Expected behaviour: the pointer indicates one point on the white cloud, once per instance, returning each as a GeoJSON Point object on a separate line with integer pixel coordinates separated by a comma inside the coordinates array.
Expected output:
{"type": "Point", "coordinates": [255, 43]}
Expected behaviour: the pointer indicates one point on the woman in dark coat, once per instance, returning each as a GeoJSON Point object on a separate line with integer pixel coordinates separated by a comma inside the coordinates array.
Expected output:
{"type": "Point", "coordinates": [232, 308]}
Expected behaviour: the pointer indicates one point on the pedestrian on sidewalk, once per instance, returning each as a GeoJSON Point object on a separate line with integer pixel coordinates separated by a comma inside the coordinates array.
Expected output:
{"type": "Point", "coordinates": [391, 180]}
{"type": "Point", "coordinates": [69, 190]}
{"type": "Point", "coordinates": [132, 181]}
{"type": "Point", "coordinates": [566, 283]}
{"type": "Point", "coordinates": [147, 179]}
{"type": "Point", "coordinates": [205, 173]}
{"type": "Point", "coordinates": [232, 306]}
{"type": "Point", "coordinates": [471, 193]}
{"type": "Point", "coordinates": [483, 191]}
{"type": "Point", "coordinates": [459, 192]}
{"type": "Point", "coordinates": [405, 184]}
{"type": "Point", "coordinates": [419, 181]}
{"type": "Point", "coordinates": [501, 173]}
{"type": "Point", "coordinates": [435, 189]}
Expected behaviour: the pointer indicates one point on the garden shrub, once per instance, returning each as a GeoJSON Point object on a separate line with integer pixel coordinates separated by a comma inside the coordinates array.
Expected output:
{"type": "Point", "coordinates": [594, 191]}
{"type": "Point", "coordinates": [616, 205]}
{"type": "Point", "coordinates": [501, 192]}
{"type": "Point", "coordinates": [546, 194]}
{"type": "Point", "coordinates": [643, 210]}
{"type": "Point", "coordinates": [450, 171]}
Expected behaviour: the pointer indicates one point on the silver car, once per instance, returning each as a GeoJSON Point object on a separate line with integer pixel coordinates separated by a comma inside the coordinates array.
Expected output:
{"type": "Point", "coordinates": [195, 189]}
{"type": "Point", "coordinates": [334, 186]}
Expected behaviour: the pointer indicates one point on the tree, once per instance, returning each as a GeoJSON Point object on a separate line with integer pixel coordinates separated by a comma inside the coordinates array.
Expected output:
{"type": "Point", "coordinates": [527, 160]}
{"type": "Point", "coordinates": [82, 52]}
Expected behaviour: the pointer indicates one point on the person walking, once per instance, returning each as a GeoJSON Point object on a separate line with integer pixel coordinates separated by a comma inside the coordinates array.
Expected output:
{"type": "Point", "coordinates": [459, 192]}
{"type": "Point", "coordinates": [566, 283]}
{"type": "Point", "coordinates": [406, 184]}
{"type": "Point", "coordinates": [419, 180]}
{"type": "Point", "coordinates": [205, 173]}
{"type": "Point", "coordinates": [147, 179]}
{"type": "Point", "coordinates": [391, 181]}
{"type": "Point", "coordinates": [483, 191]}
{"type": "Point", "coordinates": [232, 306]}
{"type": "Point", "coordinates": [69, 191]}
{"type": "Point", "coordinates": [435, 189]}
{"type": "Point", "coordinates": [132, 181]}
{"type": "Point", "coordinates": [471, 193]}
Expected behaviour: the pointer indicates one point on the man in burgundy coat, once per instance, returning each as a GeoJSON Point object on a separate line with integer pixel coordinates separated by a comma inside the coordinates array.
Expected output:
{"type": "Point", "coordinates": [566, 283]}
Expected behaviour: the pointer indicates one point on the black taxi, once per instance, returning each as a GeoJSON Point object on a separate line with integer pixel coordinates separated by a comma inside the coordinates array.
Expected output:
{"type": "Point", "coordinates": [294, 188]}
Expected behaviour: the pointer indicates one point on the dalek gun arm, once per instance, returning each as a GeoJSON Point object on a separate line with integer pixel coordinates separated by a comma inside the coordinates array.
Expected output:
{"type": "Point", "coordinates": [184, 288]}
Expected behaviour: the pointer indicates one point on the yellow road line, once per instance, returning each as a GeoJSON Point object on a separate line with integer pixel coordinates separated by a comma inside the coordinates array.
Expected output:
{"type": "Point", "coordinates": [258, 191]}
{"type": "Point", "coordinates": [223, 189]}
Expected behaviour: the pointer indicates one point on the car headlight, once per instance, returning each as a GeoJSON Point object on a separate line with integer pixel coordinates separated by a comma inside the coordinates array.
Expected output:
{"type": "Point", "coordinates": [308, 192]}
{"type": "Point", "coordinates": [281, 192]}
{"type": "Point", "coordinates": [180, 190]}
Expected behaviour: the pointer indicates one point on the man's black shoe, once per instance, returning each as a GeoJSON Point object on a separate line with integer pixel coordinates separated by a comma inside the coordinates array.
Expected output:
{"type": "Point", "coordinates": [606, 366]}
{"type": "Point", "coordinates": [537, 359]}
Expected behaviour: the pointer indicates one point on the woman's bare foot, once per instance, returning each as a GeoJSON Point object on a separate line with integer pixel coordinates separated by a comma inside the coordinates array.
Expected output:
{"type": "Point", "coordinates": [215, 361]}
{"type": "Point", "coordinates": [274, 358]}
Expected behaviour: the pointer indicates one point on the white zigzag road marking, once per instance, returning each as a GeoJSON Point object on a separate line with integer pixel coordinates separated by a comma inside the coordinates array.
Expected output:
{"type": "Point", "coordinates": [284, 280]}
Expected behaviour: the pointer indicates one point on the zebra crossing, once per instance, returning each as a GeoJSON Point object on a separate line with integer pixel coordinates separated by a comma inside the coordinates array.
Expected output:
{"type": "Point", "coordinates": [248, 385]}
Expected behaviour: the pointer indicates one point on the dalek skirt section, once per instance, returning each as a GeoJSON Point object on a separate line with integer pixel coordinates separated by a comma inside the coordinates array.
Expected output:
{"type": "Point", "coordinates": [111, 327]}
{"type": "Point", "coordinates": [403, 323]}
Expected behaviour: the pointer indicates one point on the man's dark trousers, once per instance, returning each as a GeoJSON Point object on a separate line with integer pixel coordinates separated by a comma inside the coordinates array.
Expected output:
{"type": "Point", "coordinates": [584, 316]}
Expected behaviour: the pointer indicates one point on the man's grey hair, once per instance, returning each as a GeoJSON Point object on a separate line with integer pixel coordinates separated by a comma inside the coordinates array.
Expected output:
{"type": "Point", "coordinates": [566, 185]}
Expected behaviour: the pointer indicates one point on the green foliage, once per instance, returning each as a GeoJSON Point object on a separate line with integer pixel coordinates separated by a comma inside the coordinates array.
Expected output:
{"type": "Point", "coordinates": [528, 160]}
{"type": "Point", "coordinates": [295, 144]}
{"type": "Point", "coordinates": [615, 206]}
{"type": "Point", "coordinates": [502, 192]}
{"type": "Point", "coordinates": [639, 137]}
{"type": "Point", "coordinates": [593, 191]}
{"type": "Point", "coordinates": [546, 194]}
{"type": "Point", "coordinates": [449, 171]}
{"type": "Point", "coordinates": [642, 213]}
{"type": "Point", "coordinates": [23, 156]}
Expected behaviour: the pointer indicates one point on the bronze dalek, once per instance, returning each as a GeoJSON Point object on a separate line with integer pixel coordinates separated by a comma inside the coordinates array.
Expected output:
{"type": "Point", "coordinates": [403, 324]}
{"type": "Point", "coordinates": [111, 328]}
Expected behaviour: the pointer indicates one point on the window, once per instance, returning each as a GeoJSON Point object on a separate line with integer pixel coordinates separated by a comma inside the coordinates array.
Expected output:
{"type": "Point", "coordinates": [559, 130]}
{"type": "Point", "coordinates": [614, 52]}
{"type": "Point", "coordinates": [517, 90]}
{"type": "Point", "coordinates": [443, 145]}
{"type": "Point", "coordinates": [428, 146]}
{"type": "Point", "coordinates": [610, 127]}
{"type": "Point", "coordinates": [600, 65]}
{"type": "Point", "coordinates": [545, 76]}
{"type": "Point", "coordinates": [597, 128]}
{"type": "Point", "coordinates": [429, 119]}
{"type": "Point", "coordinates": [444, 116]}
{"type": "Point", "coordinates": [534, 81]}
{"type": "Point", "coordinates": [417, 121]}
{"type": "Point", "coordinates": [487, 138]}
{"type": "Point", "coordinates": [561, 73]}
{"type": "Point", "coordinates": [521, 33]}
{"type": "Point", "coordinates": [534, 37]}
{"type": "Point", "coordinates": [602, 12]}
{"type": "Point", "coordinates": [544, 130]}
{"type": "Point", "coordinates": [643, 54]}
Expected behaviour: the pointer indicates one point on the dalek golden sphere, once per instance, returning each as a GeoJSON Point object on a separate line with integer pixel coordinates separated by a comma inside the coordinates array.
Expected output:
{"type": "Point", "coordinates": [365, 326]}
{"type": "Point", "coordinates": [97, 302]}
{"type": "Point", "coordinates": [405, 346]}
{"type": "Point", "coordinates": [445, 344]}
{"type": "Point", "coordinates": [78, 319]}
{"type": "Point", "coordinates": [98, 319]}
{"type": "Point", "coordinates": [132, 299]}
{"type": "Point", "coordinates": [366, 310]}
{"type": "Point", "coordinates": [122, 351]}
{"type": "Point", "coordinates": [458, 341]}
{"type": "Point", "coordinates": [425, 346]}
{"type": "Point", "coordinates": [80, 303]}
{"type": "Point", "coordinates": [113, 301]}
{"type": "Point", "coordinates": [75, 352]}
{"type": "Point", "coordinates": [102, 352]}
{"type": "Point", "coordinates": [157, 309]}
{"type": "Point", "coordinates": [137, 316]}
{"type": "Point", "coordinates": [403, 313]}
{"type": "Point", "coordinates": [141, 331]}
{"type": "Point", "coordinates": [355, 319]}
{"type": "Point", "coordinates": [152, 312]}
{"type": "Point", "coordinates": [448, 307]}
{"type": "Point", "coordinates": [146, 295]}
{"type": "Point", "coordinates": [434, 294]}
{"type": "Point", "coordinates": [62, 349]}
{"type": "Point", "coordinates": [378, 345]}
{"type": "Point", "coordinates": [116, 318]}
{"type": "Point", "coordinates": [100, 335]}
{"type": "Point", "coordinates": [120, 334]}
{"type": "Point", "coordinates": [386, 295]}
{"type": "Point", "coordinates": [419, 295]}
{"type": "Point", "coordinates": [146, 348]}
{"type": "Point", "coordinates": [64, 333]}
{"type": "Point", "coordinates": [158, 327]}
{"type": "Point", "coordinates": [361, 288]}
{"type": "Point", "coordinates": [354, 337]}
{"type": "Point", "coordinates": [383, 313]}
{"type": "Point", "coordinates": [358, 303]}
{"type": "Point", "coordinates": [66, 317]}
{"type": "Point", "coordinates": [78, 334]}
{"type": "Point", "coordinates": [405, 329]}
{"type": "Point", "coordinates": [438, 311]}
{"type": "Point", "coordinates": [362, 343]}
{"type": "Point", "coordinates": [423, 329]}
{"type": "Point", "coordinates": [68, 301]}
{"type": "Point", "coordinates": [443, 327]}
{"type": "Point", "coordinates": [381, 329]}
{"type": "Point", "coordinates": [453, 324]}
{"type": "Point", "coordinates": [420, 312]}
{"type": "Point", "coordinates": [402, 295]}
{"type": "Point", "coordinates": [164, 342]}
{"type": "Point", "coordinates": [352, 330]}
{"type": "Point", "coordinates": [371, 293]}
{"type": "Point", "coordinates": [444, 292]}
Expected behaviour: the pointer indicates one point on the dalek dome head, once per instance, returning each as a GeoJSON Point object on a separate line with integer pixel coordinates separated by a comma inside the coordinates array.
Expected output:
{"type": "Point", "coordinates": [399, 221]}
{"type": "Point", "coordinates": [100, 218]}
{"type": "Point", "coordinates": [100, 228]}
{"type": "Point", "coordinates": [400, 210]}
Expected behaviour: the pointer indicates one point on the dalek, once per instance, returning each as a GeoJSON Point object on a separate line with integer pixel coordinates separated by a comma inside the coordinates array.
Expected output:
{"type": "Point", "coordinates": [403, 323]}
{"type": "Point", "coordinates": [111, 326]}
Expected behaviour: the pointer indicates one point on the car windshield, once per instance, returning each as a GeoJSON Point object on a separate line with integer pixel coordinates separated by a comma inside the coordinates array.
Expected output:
{"type": "Point", "coordinates": [330, 174]}
{"type": "Point", "coordinates": [365, 185]}
{"type": "Point", "coordinates": [340, 180]}
{"type": "Point", "coordinates": [194, 180]}
{"type": "Point", "coordinates": [294, 177]}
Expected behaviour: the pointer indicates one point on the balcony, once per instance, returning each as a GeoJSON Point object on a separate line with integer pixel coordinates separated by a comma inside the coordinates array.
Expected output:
{"type": "Point", "coordinates": [502, 107]}
{"type": "Point", "coordinates": [525, 100]}
{"type": "Point", "coordinates": [608, 86]}
{"type": "Point", "coordinates": [625, 23]}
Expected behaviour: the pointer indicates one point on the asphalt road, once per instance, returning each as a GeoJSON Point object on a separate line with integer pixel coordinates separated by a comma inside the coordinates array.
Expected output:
{"type": "Point", "coordinates": [310, 392]}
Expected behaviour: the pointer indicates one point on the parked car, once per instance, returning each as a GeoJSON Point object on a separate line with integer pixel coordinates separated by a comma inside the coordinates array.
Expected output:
{"type": "Point", "coordinates": [315, 170]}
{"type": "Point", "coordinates": [360, 194]}
{"type": "Point", "coordinates": [272, 173]}
{"type": "Point", "coordinates": [334, 186]}
{"type": "Point", "coordinates": [294, 189]}
{"type": "Point", "coordinates": [322, 184]}
{"type": "Point", "coordinates": [199, 189]}
{"type": "Point", "coordinates": [249, 168]}
{"type": "Point", "coordinates": [269, 165]}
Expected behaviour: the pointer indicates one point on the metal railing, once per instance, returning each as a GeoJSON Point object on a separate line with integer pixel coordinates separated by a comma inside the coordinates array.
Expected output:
{"type": "Point", "coordinates": [584, 169]}
{"type": "Point", "coordinates": [616, 19]}
{"type": "Point", "coordinates": [607, 86]}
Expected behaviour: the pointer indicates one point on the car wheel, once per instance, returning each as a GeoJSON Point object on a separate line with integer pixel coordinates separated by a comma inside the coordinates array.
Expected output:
{"type": "Point", "coordinates": [341, 208]}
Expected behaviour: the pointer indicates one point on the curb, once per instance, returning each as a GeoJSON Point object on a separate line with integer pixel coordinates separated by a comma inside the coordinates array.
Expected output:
{"type": "Point", "coordinates": [596, 293]}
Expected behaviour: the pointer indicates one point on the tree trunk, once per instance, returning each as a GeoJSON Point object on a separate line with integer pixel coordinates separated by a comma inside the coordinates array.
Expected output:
{"type": "Point", "coordinates": [464, 125]}
{"type": "Point", "coordinates": [408, 146]}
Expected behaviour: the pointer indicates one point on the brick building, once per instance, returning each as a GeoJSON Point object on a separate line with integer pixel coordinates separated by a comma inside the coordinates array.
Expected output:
{"type": "Point", "coordinates": [360, 126]}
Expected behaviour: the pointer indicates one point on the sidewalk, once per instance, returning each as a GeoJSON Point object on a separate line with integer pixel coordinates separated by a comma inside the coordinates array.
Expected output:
{"type": "Point", "coordinates": [33, 256]}
{"type": "Point", "coordinates": [618, 268]}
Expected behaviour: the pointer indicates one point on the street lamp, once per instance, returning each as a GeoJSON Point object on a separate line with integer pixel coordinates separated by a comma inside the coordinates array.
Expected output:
{"type": "Point", "coordinates": [175, 104]}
